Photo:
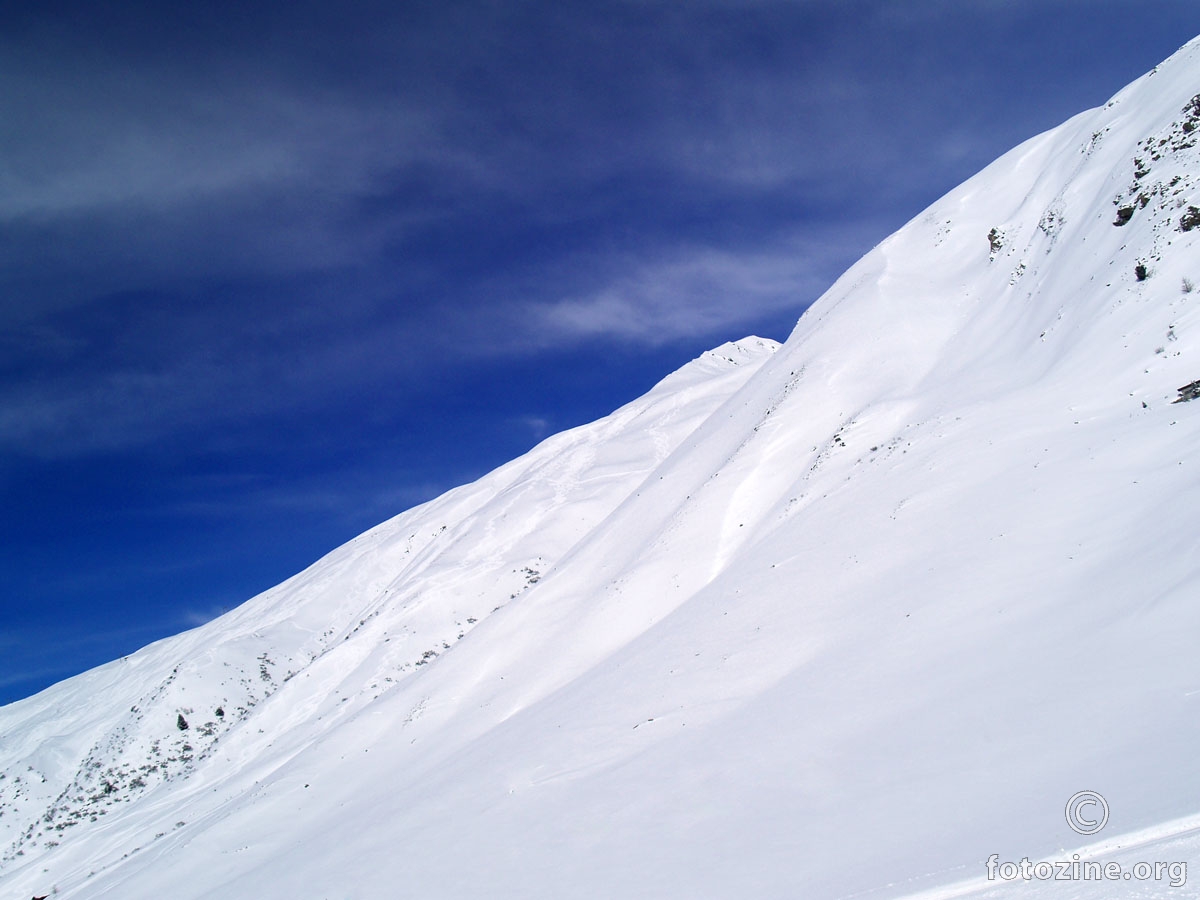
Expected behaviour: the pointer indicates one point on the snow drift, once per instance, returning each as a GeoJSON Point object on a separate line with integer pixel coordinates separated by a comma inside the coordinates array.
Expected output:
{"type": "Point", "coordinates": [841, 617]}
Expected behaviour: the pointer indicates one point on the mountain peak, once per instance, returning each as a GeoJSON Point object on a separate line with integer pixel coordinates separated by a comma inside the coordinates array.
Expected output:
{"type": "Point", "coordinates": [751, 347]}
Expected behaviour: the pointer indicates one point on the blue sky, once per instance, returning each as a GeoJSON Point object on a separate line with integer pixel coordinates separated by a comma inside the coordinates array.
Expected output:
{"type": "Point", "coordinates": [271, 273]}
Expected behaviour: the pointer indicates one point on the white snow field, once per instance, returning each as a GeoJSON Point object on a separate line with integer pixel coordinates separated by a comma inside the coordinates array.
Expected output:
{"type": "Point", "coordinates": [842, 618]}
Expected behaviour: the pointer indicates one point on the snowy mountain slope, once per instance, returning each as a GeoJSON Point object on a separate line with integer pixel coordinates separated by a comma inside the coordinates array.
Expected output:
{"type": "Point", "coordinates": [843, 621]}
{"type": "Point", "coordinates": [351, 626]}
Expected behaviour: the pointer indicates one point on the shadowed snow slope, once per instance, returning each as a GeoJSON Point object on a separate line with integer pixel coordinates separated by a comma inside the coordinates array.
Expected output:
{"type": "Point", "coordinates": [838, 618]}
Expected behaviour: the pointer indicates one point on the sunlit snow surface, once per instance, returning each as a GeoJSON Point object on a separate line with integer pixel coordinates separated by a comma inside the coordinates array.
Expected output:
{"type": "Point", "coordinates": [842, 618]}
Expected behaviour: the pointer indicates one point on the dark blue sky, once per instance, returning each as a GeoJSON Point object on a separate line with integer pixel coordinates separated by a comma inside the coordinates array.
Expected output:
{"type": "Point", "coordinates": [271, 273]}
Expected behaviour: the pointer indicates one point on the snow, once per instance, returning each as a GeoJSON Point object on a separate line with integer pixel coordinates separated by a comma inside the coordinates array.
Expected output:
{"type": "Point", "coordinates": [839, 618]}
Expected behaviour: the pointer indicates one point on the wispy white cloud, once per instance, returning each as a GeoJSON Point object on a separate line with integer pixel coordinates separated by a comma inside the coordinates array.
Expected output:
{"type": "Point", "coordinates": [688, 291]}
{"type": "Point", "coordinates": [195, 616]}
{"type": "Point", "coordinates": [100, 131]}
{"type": "Point", "coordinates": [538, 427]}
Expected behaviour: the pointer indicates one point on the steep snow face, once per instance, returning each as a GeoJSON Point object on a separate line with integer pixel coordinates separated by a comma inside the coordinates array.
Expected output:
{"type": "Point", "coordinates": [334, 638]}
{"type": "Point", "coordinates": [847, 618]}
